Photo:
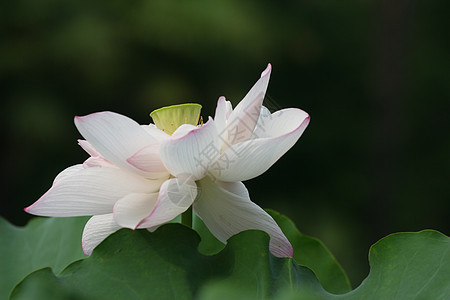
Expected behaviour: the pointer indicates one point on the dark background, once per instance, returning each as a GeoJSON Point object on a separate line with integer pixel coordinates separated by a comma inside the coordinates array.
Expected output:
{"type": "Point", "coordinates": [373, 75]}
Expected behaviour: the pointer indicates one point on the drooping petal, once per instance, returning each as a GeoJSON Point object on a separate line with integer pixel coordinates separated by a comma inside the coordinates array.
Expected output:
{"type": "Point", "coordinates": [175, 197]}
{"type": "Point", "coordinates": [242, 121]}
{"type": "Point", "coordinates": [91, 191]}
{"type": "Point", "coordinates": [96, 230]}
{"type": "Point", "coordinates": [114, 136]}
{"type": "Point", "coordinates": [192, 153]}
{"type": "Point", "coordinates": [133, 208]}
{"type": "Point", "coordinates": [149, 161]}
{"type": "Point", "coordinates": [226, 209]}
{"type": "Point", "coordinates": [251, 158]}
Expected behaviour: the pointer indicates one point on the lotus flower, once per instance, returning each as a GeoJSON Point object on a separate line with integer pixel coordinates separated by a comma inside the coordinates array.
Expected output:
{"type": "Point", "coordinates": [106, 186]}
{"type": "Point", "coordinates": [144, 176]}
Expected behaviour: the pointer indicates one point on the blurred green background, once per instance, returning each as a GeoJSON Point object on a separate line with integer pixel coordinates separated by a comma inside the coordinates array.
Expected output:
{"type": "Point", "coordinates": [373, 75]}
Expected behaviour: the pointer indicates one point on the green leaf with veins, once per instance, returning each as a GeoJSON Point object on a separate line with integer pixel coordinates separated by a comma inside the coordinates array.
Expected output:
{"type": "Point", "coordinates": [44, 242]}
{"type": "Point", "coordinates": [166, 264]}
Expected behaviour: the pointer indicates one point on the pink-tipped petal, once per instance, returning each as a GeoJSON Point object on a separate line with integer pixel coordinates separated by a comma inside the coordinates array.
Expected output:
{"type": "Point", "coordinates": [191, 153]}
{"type": "Point", "coordinates": [243, 119]}
{"type": "Point", "coordinates": [251, 158]}
{"type": "Point", "coordinates": [175, 197]}
{"type": "Point", "coordinates": [149, 161]}
{"type": "Point", "coordinates": [133, 208]}
{"type": "Point", "coordinates": [96, 230]}
{"type": "Point", "coordinates": [226, 209]}
{"type": "Point", "coordinates": [267, 70]}
{"type": "Point", "coordinates": [114, 136]}
{"type": "Point", "coordinates": [91, 191]}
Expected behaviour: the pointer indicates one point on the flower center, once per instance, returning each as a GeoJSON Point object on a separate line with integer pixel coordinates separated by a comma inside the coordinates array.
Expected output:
{"type": "Point", "coordinates": [169, 118]}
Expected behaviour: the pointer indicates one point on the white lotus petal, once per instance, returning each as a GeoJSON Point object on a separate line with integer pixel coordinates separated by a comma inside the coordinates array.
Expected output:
{"type": "Point", "coordinates": [70, 171]}
{"type": "Point", "coordinates": [175, 197]}
{"type": "Point", "coordinates": [96, 159]}
{"type": "Point", "coordinates": [96, 230]}
{"type": "Point", "coordinates": [222, 113]}
{"type": "Point", "coordinates": [192, 153]}
{"type": "Point", "coordinates": [97, 162]}
{"type": "Point", "coordinates": [242, 121]}
{"type": "Point", "coordinates": [114, 136]}
{"type": "Point", "coordinates": [149, 161]}
{"type": "Point", "coordinates": [183, 130]}
{"type": "Point", "coordinates": [156, 132]}
{"type": "Point", "coordinates": [90, 191]}
{"type": "Point", "coordinates": [133, 208]}
{"type": "Point", "coordinates": [88, 148]}
{"type": "Point", "coordinates": [251, 158]}
{"type": "Point", "coordinates": [226, 209]}
{"type": "Point", "coordinates": [260, 129]}
{"type": "Point", "coordinates": [280, 122]}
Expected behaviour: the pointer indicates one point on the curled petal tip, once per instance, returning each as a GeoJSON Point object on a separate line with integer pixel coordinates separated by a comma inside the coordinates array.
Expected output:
{"type": "Point", "coordinates": [86, 251]}
{"type": "Point", "coordinates": [283, 249]}
{"type": "Point", "coordinates": [221, 102]}
{"type": "Point", "coordinates": [29, 209]}
{"type": "Point", "coordinates": [78, 119]}
{"type": "Point", "coordinates": [267, 70]}
{"type": "Point", "coordinates": [307, 120]}
{"type": "Point", "coordinates": [291, 252]}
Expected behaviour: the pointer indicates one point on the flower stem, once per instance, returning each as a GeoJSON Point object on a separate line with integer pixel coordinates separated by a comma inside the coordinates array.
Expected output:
{"type": "Point", "coordinates": [186, 217]}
